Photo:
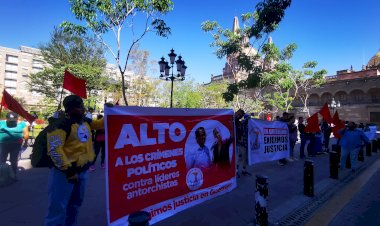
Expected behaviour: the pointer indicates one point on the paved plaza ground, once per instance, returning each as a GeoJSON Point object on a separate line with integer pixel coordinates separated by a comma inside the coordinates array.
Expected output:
{"type": "Point", "coordinates": [25, 202]}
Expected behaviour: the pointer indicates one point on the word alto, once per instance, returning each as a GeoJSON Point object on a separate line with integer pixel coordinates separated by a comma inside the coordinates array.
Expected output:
{"type": "Point", "coordinates": [158, 132]}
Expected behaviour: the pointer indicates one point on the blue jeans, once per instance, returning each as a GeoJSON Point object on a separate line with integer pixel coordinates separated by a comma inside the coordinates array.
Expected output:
{"type": "Point", "coordinates": [353, 152]}
{"type": "Point", "coordinates": [13, 149]}
{"type": "Point", "coordinates": [64, 198]}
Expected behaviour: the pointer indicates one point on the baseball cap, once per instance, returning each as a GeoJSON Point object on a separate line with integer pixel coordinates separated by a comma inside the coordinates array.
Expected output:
{"type": "Point", "coordinates": [11, 116]}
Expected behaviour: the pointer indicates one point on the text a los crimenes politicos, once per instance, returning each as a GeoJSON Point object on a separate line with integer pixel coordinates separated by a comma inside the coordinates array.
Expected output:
{"type": "Point", "coordinates": [156, 183]}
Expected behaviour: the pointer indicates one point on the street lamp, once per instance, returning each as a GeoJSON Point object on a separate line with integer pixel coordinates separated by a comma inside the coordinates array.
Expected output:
{"type": "Point", "coordinates": [165, 71]}
{"type": "Point", "coordinates": [334, 105]}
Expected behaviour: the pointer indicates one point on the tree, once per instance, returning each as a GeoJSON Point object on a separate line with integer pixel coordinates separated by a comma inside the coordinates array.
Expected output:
{"type": "Point", "coordinates": [310, 79]}
{"type": "Point", "coordinates": [212, 95]}
{"type": "Point", "coordinates": [288, 83]}
{"type": "Point", "coordinates": [257, 26]}
{"type": "Point", "coordinates": [103, 16]}
{"type": "Point", "coordinates": [140, 88]}
{"type": "Point", "coordinates": [282, 78]}
{"type": "Point", "coordinates": [81, 55]}
{"type": "Point", "coordinates": [187, 95]}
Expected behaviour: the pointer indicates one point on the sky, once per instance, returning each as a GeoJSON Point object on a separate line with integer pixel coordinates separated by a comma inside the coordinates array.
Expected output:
{"type": "Point", "coordinates": [335, 33]}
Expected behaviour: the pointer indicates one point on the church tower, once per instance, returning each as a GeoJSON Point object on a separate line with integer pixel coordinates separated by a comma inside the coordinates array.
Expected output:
{"type": "Point", "coordinates": [231, 70]}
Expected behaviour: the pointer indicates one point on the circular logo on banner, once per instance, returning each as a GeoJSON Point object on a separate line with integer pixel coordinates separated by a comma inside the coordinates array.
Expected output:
{"type": "Point", "coordinates": [83, 133]}
{"type": "Point", "coordinates": [194, 178]}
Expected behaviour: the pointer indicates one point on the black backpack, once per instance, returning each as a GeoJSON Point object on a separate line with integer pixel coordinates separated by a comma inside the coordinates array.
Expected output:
{"type": "Point", "coordinates": [39, 157]}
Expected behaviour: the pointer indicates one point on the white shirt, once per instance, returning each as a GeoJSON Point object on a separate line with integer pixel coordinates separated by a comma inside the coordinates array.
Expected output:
{"type": "Point", "coordinates": [199, 158]}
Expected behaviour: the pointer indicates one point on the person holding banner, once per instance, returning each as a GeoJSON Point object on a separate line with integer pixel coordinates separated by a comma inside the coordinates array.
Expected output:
{"type": "Point", "coordinates": [285, 118]}
{"type": "Point", "coordinates": [69, 144]}
{"type": "Point", "coordinates": [292, 137]}
{"type": "Point", "coordinates": [200, 157]}
{"type": "Point", "coordinates": [242, 141]}
{"type": "Point", "coordinates": [221, 149]}
{"type": "Point", "coordinates": [326, 130]}
{"type": "Point", "coordinates": [303, 136]}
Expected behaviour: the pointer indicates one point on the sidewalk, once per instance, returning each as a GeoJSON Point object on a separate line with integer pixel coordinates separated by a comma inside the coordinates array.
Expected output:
{"type": "Point", "coordinates": [25, 202]}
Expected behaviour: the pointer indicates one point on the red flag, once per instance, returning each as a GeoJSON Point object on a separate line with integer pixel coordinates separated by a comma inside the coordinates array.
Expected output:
{"type": "Point", "coordinates": [74, 84]}
{"type": "Point", "coordinates": [325, 112]}
{"type": "Point", "coordinates": [9, 102]}
{"type": "Point", "coordinates": [338, 124]}
{"type": "Point", "coordinates": [312, 124]}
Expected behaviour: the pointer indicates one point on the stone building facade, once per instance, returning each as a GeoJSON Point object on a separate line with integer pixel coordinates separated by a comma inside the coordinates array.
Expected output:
{"type": "Point", "coordinates": [15, 67]}
{"type": "Point", "coordinates": [357, 92]}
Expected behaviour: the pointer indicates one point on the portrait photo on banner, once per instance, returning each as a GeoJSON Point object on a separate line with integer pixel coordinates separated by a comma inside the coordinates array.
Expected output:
{"type": "Point", "coordinates": [209, 144]}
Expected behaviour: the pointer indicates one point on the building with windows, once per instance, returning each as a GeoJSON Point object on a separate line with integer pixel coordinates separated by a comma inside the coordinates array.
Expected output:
{"type": "Point", "coordinates": [17, 64]}
{"type": "Point", "coordinates": [15, 67]}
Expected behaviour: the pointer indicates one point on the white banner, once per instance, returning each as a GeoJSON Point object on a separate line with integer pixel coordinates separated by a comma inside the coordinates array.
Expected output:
{"type": "Point", "coordinates": [267, 141]}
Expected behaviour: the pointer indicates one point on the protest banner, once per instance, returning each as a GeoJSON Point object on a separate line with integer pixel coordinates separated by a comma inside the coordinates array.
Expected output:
{"type": "Point", "coordinates": [267, 141]}
{"type": "Point", "coordinates": [163, 160]}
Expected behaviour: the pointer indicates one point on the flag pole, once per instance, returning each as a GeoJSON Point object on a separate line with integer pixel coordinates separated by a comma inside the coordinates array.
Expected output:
{"type": "Point", "coordinates": [60, 100]}
{"type": "Point", "coordinates": [2, 99]}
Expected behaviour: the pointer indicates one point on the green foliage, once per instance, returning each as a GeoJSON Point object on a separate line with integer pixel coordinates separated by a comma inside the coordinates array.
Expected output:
{"type": "Point", "coordinates": [186, 95]}
{"type": "Point", "coordinates": [38, 127]}
{"type": "Point", "coordinates": [269, 14]}
{"type": "Point", "coordinates": [281, 78]}
{"type": "Point", "coordinates": [257, 26]}
{"type": "Point", "coordinates": [279, 100]}
{"type": "Point", "coordinates": [212, 96]}
{"type": "Point", "coordinates": [103, 16]}
{"type": "Point", "coordinates": [63, 49]}
{"type": "Point", "coordinates": [81, 55]}
{"type": "Point", "coordinates": [309, 79]}
{"type": "Point", "coordinates": [287, 53]}
{"type": "Point", "coordinates": [272, 53]}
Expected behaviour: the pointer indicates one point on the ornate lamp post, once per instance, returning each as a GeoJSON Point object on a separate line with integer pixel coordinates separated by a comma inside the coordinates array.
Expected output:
{"type": "Point", "coordinates": [165, 71]}
{"type": "Point", "coordinates": [334, 105]}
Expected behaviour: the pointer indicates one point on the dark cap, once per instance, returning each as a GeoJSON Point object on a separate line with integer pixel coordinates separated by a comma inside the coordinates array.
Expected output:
{"type": "Point", "coordinates": [11, 116]}
{"type": "Point", "coordinates": [72, 101]}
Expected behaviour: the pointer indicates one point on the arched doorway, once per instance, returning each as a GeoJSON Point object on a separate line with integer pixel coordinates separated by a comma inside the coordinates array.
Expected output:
{"type": "Point", "coordinates": [357, 96]}
{"type": "Point", "coordinates": [342, 97]}
{"type": "Point", "coordinates": [313, 100]}
{"type": "Point", "coordinates": [326, 98]}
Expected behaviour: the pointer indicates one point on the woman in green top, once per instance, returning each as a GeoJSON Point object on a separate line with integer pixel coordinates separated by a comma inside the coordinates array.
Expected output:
{"type": "Point", "coordinates": [12, 134]}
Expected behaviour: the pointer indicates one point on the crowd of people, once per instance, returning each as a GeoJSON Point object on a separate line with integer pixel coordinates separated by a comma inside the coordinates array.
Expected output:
{"type": "Point", "coordinates": [73, 144]}
{"type": "Point", "coordinates": [74, 155]}
{"type": "Point", "coordinates": [351, 139]}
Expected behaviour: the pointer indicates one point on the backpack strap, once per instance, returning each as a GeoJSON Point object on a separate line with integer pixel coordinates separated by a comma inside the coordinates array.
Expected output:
{"type": "Point", "coordinates": [61, 123]}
